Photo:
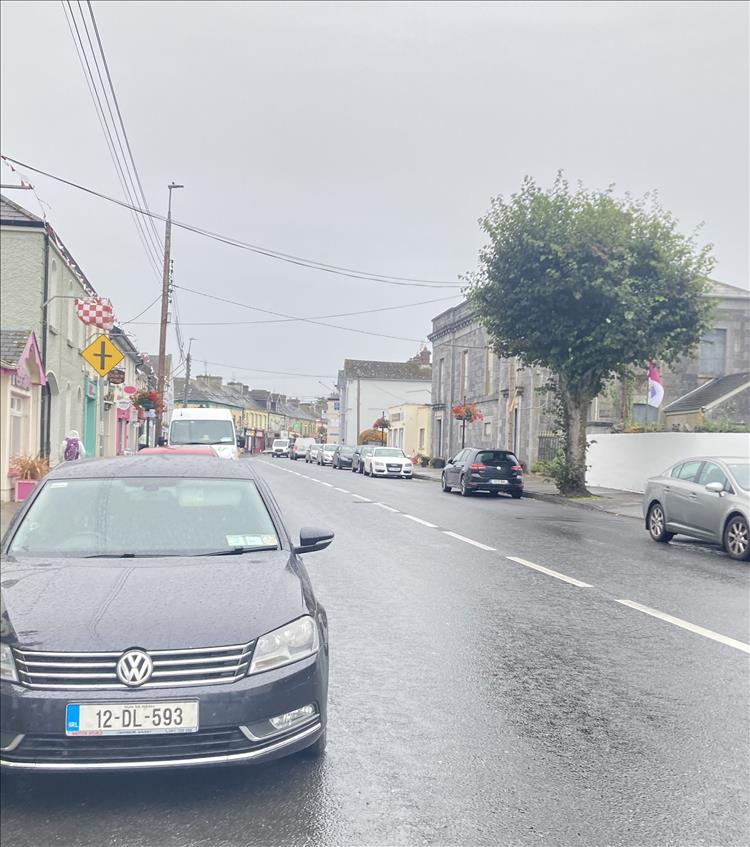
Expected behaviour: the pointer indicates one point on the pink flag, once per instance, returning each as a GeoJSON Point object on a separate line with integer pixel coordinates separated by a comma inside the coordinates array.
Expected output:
{"type": "Point", "coordinates": [655, 388]}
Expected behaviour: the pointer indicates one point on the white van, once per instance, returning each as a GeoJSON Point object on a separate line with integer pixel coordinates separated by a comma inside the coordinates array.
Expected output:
{"type": "Point", "coordinates": [207, 427]}
{"type": "Point", "coordinates": [299, 448]}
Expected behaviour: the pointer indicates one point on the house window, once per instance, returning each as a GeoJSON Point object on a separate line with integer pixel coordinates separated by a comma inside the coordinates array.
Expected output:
{"type": "Point", "coordinates": [70, 312]}
{"type": "Point", "coordinates": [19, 424]}
{"type": "Point", "coordinates": [713, 353]}
{"type": "Point", "coordinates": [465, 372]}
{"type": "Point", "coordinates": [53, 298]}
{"type": "Point", "coordinates": [487, 429]}
{"type": "Point", "coordinates": [489, 372]}
{"type": "Point", "coordinates": [439, 436]}
{"type": "Point", "coordinates": [421, 438]}
{"type": "Point", "coordinates": [440, 374]}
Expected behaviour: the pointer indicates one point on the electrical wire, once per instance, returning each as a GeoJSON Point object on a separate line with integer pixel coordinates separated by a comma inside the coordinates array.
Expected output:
{"type": "Point", "coordinates": [150, 305]}
{"type": "Point", "coordinates": [99, 109]}
{"type": "Point", "coordinates": [262, 371]}
{"type": "Point", "coordinates": [313, 317]}
{"type": "Point", "coordinates": [156, 236]}
{"type": "Point", "coordinates": [296, 260]}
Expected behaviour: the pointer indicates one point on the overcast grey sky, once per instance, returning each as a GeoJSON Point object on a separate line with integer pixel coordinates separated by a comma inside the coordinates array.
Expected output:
{"type": "Point", "coordinates": [368, 135]}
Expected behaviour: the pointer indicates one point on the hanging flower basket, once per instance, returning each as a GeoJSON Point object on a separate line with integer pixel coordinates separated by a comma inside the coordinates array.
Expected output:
{"type": "Point", "coordinates": [147, 401]}
{"type": "Point", "coordinates": [467, 412]}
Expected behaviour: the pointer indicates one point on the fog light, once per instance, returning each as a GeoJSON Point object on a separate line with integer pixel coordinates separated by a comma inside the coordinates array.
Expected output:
{"type": "Point", "coordinates": [289, 719]}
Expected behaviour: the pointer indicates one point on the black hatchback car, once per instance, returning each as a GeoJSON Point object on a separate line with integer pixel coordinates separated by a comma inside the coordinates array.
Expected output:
{"type": "Point", "coordinates": [473, 469]}
{"type": "Point", "coordinates": [343, 456]}
{"type": "Point", "coordinates": [156, 614]}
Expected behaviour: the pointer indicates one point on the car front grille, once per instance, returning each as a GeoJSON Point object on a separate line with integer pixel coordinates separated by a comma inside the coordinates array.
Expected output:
{"type": "Point", "coordinates": [129, 748]}
{"type": "Point", "coordinates": [192, 666]}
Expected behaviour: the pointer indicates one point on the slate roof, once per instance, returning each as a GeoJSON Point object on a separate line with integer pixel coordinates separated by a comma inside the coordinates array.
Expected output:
{"type": "Point", "coordinates": [12, 342]}
{"type": "Point", "coordinates": [709, 394]}
{"type": "Point", "coordinates": [367, 369]}
{"type": "Point", "coordinates": [12, 213]}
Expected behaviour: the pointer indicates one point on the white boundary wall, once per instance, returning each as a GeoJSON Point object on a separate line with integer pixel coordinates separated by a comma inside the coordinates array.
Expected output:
{"type": "Point", "coordinates": [627, 460]}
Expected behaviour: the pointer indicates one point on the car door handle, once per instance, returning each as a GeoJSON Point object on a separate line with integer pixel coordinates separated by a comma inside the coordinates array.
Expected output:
{"type": "Point", "coordinates": [667, 489]}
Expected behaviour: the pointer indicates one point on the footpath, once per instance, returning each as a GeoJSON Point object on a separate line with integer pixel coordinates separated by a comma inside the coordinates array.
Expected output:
{"type": "Point", "coordinates": [614, 502]}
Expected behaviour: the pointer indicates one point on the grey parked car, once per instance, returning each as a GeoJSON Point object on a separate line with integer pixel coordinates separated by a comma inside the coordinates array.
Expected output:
{"type": "Point", "coordinates": [706, 498]}
{"type": "Point", "coordinates": [156, 614]}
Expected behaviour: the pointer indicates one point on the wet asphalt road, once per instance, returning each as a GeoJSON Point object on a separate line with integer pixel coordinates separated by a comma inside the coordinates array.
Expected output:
{"type": "Point", "coordinates": [474, 699]}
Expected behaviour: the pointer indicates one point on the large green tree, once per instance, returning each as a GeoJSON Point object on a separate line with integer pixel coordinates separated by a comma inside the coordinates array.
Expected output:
{"type": "Point", "coordinates": [588, 285]}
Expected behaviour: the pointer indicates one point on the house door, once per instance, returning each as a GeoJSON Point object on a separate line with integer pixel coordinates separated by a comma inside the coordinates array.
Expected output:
{"type": "Point", "coordinates": [89, 431]}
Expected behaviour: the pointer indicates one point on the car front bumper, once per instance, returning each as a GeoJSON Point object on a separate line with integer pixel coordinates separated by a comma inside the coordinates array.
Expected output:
{"type": "Point", "coordinates": [233, 719]}
{"type": "Point", "coordinates": [404, 473]}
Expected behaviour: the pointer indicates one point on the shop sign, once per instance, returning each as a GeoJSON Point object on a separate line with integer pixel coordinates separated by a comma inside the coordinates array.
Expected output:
{"type": "Point", "coordinates": [116, 376]}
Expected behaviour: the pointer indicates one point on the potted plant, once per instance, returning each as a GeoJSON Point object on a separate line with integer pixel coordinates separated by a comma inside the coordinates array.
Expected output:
{"type": "Point", "coordinates": [27, 471]}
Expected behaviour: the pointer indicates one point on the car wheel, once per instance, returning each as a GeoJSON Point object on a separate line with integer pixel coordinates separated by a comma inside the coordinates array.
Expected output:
{"type": "Point", "coordinates": [315, 751]}
{"type": "Point", "coordinates": [657, 523]}
{"type": "Point", "coordinates": [737, 538]}
{"type": "Point", "coordinates": [516, 495]}
{"type": "Point", "coordinates": [464, 490]}
{"type": "Point", "coordinates": [494, 493]}
{"type": "Point", "coordinates": [444, 485]}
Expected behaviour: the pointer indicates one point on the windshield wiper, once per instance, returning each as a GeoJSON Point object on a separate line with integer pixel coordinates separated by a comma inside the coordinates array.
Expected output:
{"type": "Point", "coordinates": [236, 551]}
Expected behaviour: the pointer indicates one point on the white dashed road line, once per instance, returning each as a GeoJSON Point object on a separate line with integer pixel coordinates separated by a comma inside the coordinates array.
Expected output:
{"type": "Point", "coordinates": [342, 490]}
{"type": "Point", "coordinates": [690, 627]}
{"type": "Point", "coordinates": [469, 541]}
{"type": "Point", "coordinates": [387, 508]}
{"type": "Point", "coordinates": [363, 499]}
{"type": "Point", "coordinates": [419, 520]}
{"type": "Point", "coordinates": [549, 572]}
{"type": "Point", "coordinates": [327, 484]}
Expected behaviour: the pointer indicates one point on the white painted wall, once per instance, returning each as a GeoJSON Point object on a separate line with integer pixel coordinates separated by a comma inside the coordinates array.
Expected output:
{"type": "Point", "coordinates": [375, 397]}
{"type": "Point", "coordinates": [627, 460]}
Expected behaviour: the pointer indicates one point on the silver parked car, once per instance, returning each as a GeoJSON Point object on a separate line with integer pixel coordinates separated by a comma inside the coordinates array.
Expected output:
{"type": "Point", "coordinates": [706, 498]}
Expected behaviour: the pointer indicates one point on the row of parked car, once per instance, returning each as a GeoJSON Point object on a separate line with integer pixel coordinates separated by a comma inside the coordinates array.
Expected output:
{"type": "Point", "coordinates": [368, 459]}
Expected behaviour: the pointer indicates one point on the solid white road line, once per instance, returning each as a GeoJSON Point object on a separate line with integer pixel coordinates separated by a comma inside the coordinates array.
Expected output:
{"type": "Point", "coordinates": [388, 508]}
{"type": "Point", "coordinates": [342, 490]}
{"type": "Point", "coordinates": [691, 627]}
{"type": "Point", "coordinates": [555, 574]}
{"type": "Point", "coordinates": [419, 520]}
{"type": "Point", "coordinates": [468, 541]}
{"type": "Point", "coordinates": [363, 499]}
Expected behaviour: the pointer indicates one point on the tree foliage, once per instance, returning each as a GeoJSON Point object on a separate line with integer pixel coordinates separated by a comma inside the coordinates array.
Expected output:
{"type": "Point", "coordinates": [588, 285]}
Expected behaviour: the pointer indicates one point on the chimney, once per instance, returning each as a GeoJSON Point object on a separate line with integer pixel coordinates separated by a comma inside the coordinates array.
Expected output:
{"type": "Point", "coordinates": [212, 383]}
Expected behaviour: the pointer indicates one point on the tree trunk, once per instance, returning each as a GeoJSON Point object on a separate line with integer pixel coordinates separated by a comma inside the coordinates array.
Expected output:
{"type": "Point", "coordinates": [575, 406]}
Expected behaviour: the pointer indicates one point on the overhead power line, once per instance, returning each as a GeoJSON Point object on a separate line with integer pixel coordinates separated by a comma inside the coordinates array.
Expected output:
{"type": "Point", "coordinates": [312, 317]}
{"type": "Point", "coordinates": [253, 248]}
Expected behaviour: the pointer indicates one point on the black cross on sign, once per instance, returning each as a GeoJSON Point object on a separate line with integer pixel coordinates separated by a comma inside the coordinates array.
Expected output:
{"type": "Point", "coordinates": [102, 355]}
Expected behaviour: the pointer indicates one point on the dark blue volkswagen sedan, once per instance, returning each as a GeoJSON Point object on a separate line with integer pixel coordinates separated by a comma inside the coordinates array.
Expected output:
{"type": "Point", "coordinates": [156, 614]}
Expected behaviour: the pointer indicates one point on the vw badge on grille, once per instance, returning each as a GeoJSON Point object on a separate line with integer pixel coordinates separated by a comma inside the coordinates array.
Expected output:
{"type": "Point", "coordinates": [134, 668]}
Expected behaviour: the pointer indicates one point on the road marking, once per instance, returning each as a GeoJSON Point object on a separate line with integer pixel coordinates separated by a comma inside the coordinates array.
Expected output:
{"type": "Point", "coordinates": [388, 508]}
{"type": "Point", "coordinates": [549, 572]}
{"type": "Point", "coordinates": [327, 484]}
{"type": "Point", "coordinates": [363, 499]}
{"type": "Point", "coordinates": [419, 520]}
{"type": "Point", "coordinates": [468, 541]}
{"type": "Point", "coordinates": [342, 490]}
{"type": "Point", "coordinates": [691, 627]}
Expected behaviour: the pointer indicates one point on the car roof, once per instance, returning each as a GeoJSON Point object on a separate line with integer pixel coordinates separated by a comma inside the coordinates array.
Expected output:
{"type": "Point", "coordinates": [159, 465]}
{"type": "Point", "coordinates": [711, 459]}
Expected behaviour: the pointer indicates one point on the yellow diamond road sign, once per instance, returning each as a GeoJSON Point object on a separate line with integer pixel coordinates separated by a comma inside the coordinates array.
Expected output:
{"type": "Point", "coordinates": [102, 355]}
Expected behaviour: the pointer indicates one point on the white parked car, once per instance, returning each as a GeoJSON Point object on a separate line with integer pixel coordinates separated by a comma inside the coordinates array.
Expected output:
{"type": "Point", "coordinates": [325, 456]}
{"type": "Point", "coordinates": [388, 461]}
{"type": "Point", "coordinates": [280, 448]}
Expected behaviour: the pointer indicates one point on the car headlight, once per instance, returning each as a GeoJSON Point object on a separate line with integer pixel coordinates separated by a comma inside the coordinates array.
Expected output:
{"type": "Point", "coordinates": [7, 664]}
{"type": "Point", "coordinates": [297, 640]}
{"type": "Point", "coordinates": [408, 464]}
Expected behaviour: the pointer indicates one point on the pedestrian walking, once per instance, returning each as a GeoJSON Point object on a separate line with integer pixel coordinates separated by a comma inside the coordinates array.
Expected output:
{"type": "Point", "coordinates": [72, 448]}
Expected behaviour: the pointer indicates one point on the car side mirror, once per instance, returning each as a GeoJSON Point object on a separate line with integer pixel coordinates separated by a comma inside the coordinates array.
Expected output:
{"type": "Point", "coordinates": [312, 539]}
{"type": "Point", "coordinates": [715, 487]}
{"type": "Point", "coordinates": [162, 441]}
{"type": "Point", "coordinates": [241, 442]}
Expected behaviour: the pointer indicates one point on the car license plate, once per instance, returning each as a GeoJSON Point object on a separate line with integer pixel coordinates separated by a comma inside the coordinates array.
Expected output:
{"type": "Point", "coordinates": [131, 718]}
{"type": "Point", "coordinates": [499, 481]}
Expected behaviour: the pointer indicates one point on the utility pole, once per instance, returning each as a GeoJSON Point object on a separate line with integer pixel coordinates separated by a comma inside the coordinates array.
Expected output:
{"type": "Point", "coordinates": [187, 373]}
{"type": "Point", "coordinates": [164, 313]}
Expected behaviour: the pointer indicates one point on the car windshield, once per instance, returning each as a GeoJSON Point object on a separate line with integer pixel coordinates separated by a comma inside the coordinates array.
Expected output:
{"type": "Point", "coordinates": [329, 448]}
{"type": "Point", "coordinates": [197, 431]}
{"type": "Point", "coordinates": [389, 452]}
{"type": "Point", "coordinates": [346, 451]}
{"type": "Point", "coordinates": [741, 473]}
{"type": "Point", "coordinates": [281, 442]}
{"type": "Point", "coordinates": [496, 457]}
{"type": "Point", "coordinates": [144, 517]}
